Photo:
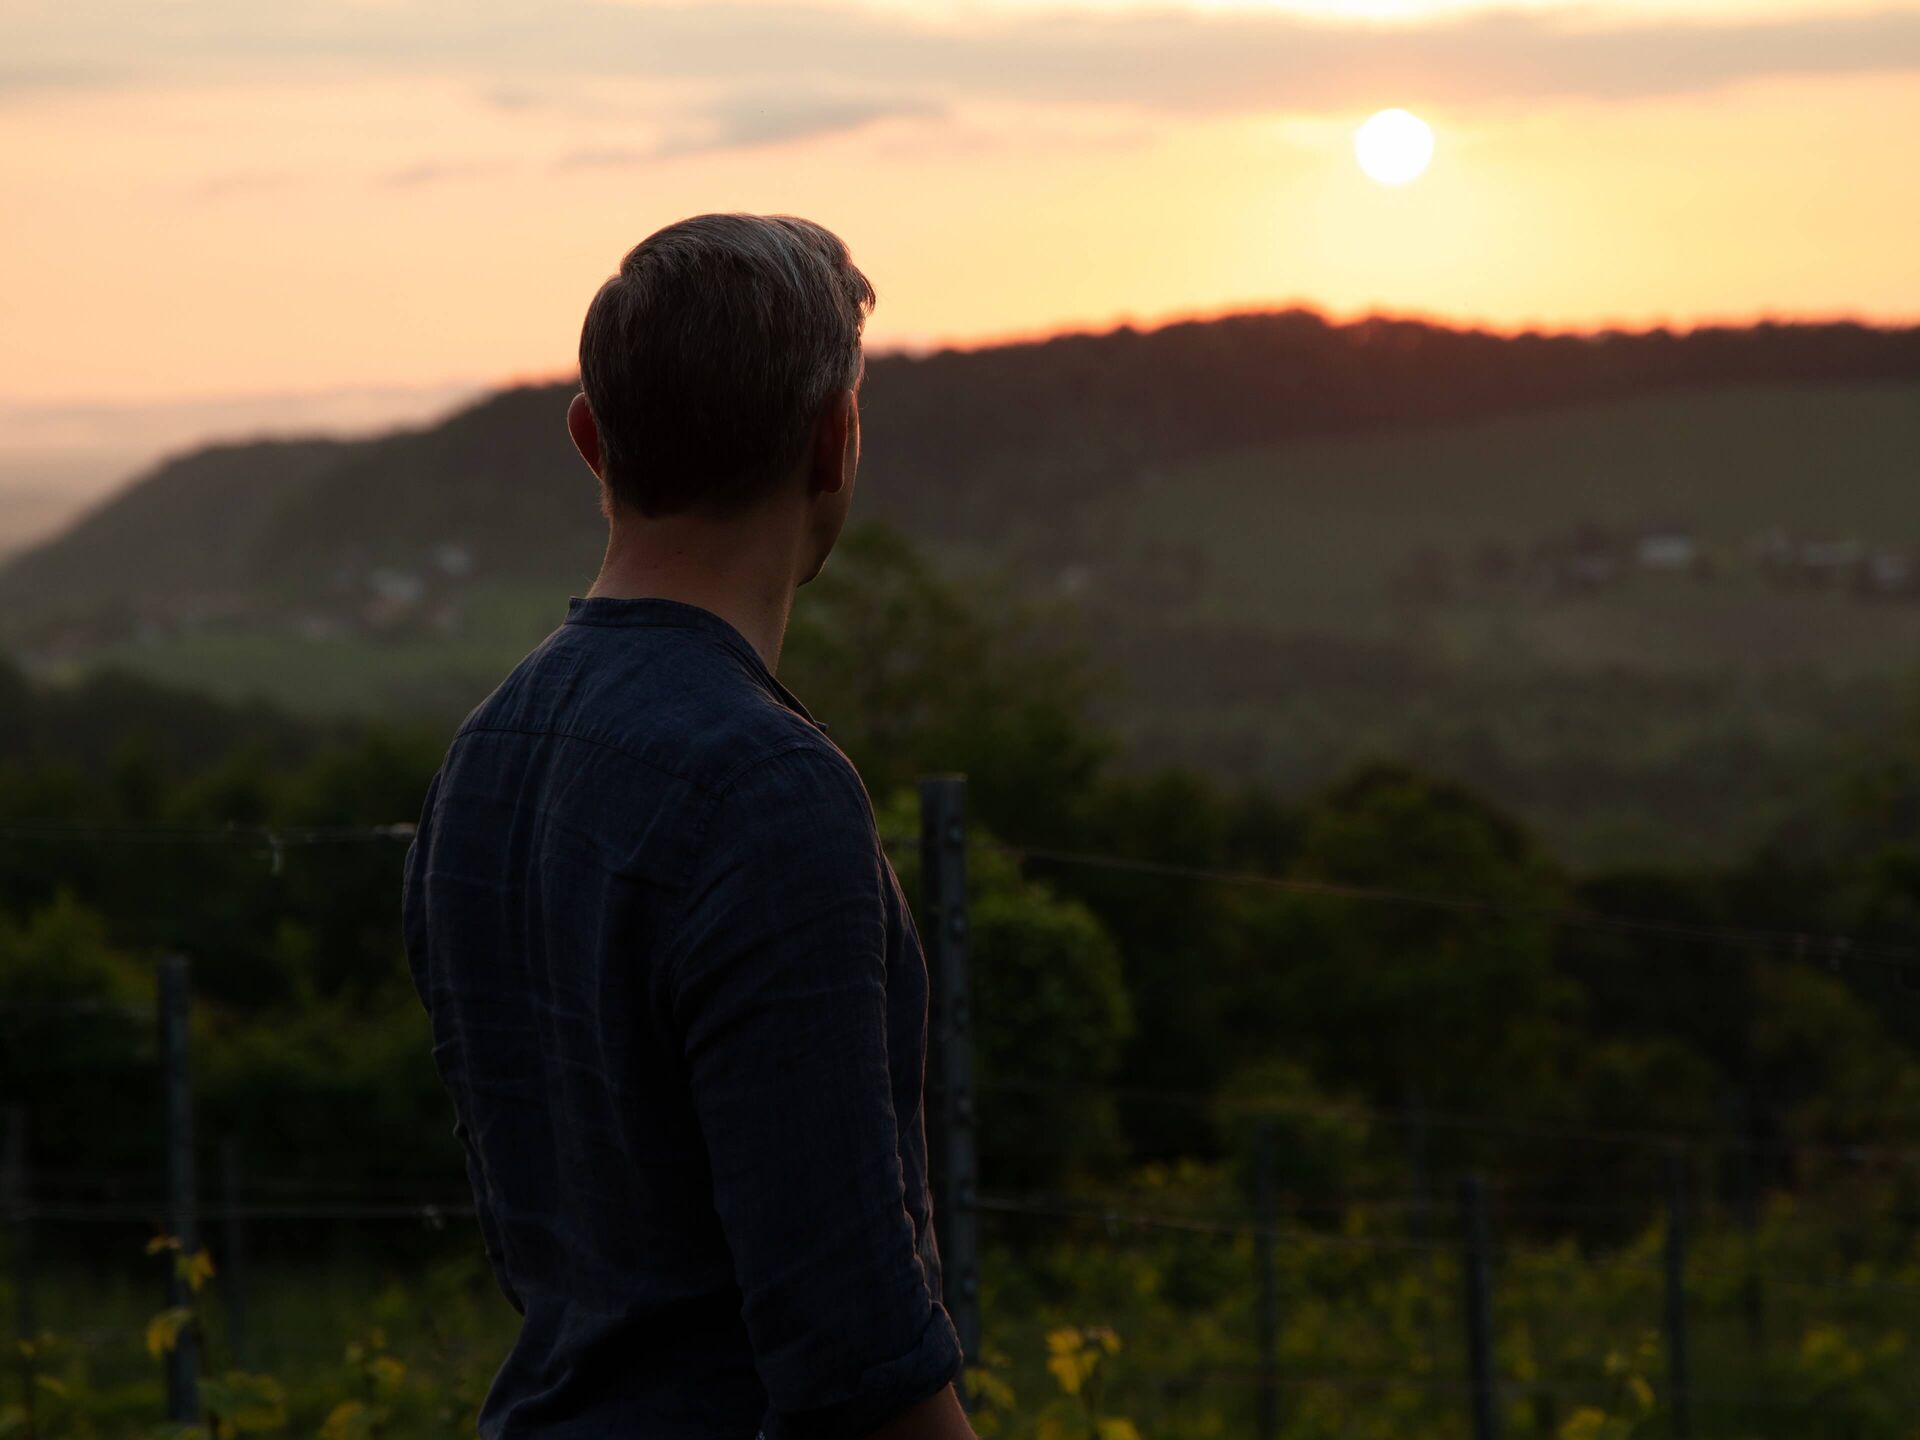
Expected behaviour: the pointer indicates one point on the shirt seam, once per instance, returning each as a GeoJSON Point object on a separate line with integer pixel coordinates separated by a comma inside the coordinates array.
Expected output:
{"type": "Point", "coordinates": [712, 789]}
{"type": "Point", "coordinates": [661, 623]}
{"type": "Point", "coordinates": [701, 621]}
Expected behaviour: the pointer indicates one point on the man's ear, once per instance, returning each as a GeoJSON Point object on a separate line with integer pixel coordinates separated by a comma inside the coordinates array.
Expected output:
{"type": "Point", "coordinates": [585, 433]}
{"type": "Point", "coordinates": [832, 433]}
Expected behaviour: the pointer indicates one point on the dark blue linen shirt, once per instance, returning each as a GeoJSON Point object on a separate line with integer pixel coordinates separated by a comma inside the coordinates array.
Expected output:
{"type": "Point", "coordinates": [679, 1005]}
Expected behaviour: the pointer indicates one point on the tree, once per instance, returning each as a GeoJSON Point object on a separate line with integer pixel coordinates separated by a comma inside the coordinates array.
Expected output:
{"type": "Point", "coordinates": [1052, 1016]}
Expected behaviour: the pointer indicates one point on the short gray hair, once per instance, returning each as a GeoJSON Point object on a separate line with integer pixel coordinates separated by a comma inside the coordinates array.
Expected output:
{"type": "Point", "coordinates": [706, 359]}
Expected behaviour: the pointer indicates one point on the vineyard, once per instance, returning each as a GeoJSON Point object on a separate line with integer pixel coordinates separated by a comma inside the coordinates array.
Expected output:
{"type": "Point", "coordinates": [1551, 1291]}
{"type": "Point", "coordinates": [1141, 1309]}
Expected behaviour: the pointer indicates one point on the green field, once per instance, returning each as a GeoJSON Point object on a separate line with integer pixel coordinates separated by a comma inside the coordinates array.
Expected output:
{"type": "Point", "coordinates": [1608, 716]}
{"type": "Point", "coordinates": [1308, 537]}
{"type": "Point", "coordinates": [411, 672]}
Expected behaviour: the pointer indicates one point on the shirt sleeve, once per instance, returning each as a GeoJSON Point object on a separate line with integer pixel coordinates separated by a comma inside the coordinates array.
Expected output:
{"type": "Point", "coordinates": [779, 991]}
{"type": "Point", "coordinates": [490, 1242]}
{"type": "Point", "coordinates": [414, 931]}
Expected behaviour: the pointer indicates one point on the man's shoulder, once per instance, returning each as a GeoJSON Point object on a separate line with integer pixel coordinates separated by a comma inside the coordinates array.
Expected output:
{"type": "Point", "coordinates": [621, 755]}
{"type": "Point", "coordinates": [663, 702]}
{"type": "Point", "coordinates": [796, 770]}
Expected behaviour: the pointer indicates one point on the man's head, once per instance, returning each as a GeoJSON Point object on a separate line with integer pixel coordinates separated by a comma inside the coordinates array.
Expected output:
{"type": "Point", "coordinates": [719, 369]}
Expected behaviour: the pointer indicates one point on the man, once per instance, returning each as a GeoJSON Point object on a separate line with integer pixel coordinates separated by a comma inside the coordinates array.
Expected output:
{"type": "Point", "coordinates": [676, 994]}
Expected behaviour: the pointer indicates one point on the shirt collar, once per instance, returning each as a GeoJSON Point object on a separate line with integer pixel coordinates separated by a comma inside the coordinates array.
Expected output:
{"type": "Point", "coordinates": [619, 610]}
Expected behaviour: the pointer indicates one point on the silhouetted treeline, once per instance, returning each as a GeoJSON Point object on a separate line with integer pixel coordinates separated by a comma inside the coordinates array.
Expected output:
{"type": "Point", "coordinates": [958, 434]}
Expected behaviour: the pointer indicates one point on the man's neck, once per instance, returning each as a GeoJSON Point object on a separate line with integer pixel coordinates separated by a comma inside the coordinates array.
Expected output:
{"type": "Point", "coordinates": [742, 572]}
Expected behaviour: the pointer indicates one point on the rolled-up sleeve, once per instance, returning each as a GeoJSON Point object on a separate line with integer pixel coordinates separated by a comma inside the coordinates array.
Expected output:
{"type": "Point", "coordinates": [779, 995]}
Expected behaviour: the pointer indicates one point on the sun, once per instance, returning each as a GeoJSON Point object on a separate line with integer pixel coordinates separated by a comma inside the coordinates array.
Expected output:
{"type": "Point", "coordinates": [1394, 147]}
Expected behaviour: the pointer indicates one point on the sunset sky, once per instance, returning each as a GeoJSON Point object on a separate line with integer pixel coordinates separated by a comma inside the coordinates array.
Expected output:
{"type": "Point", "coordinates": [227, 214]}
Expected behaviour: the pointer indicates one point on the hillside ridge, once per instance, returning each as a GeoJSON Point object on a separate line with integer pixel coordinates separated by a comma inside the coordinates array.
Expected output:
{"type": "Point", "coordinates": [953, 438]}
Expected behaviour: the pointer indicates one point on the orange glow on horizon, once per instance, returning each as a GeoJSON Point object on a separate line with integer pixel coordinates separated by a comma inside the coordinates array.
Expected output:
{"type": "Point", "coordinates": [1341, 318]}
{"type": "Point", "coordinates": [295, 238]}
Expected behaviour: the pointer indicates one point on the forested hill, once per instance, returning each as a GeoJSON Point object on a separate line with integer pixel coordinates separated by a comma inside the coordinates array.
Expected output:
{"type": "Point", "coordinates": [984, 447]}
{"type": "Point", "coordinates": [1651, 591]}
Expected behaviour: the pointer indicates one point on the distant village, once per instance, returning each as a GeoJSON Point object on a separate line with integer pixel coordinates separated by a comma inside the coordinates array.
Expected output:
{"type": "Point", "coordinates": [393, 597]}
{"type": "Point", "coordinates": [364, 600]}
{"type": "Point", "coordinates": [1590, 558]}
{"type": "Point", "coordinates": [374, 599]}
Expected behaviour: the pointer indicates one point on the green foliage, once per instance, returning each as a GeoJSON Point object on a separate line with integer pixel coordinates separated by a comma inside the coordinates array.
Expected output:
{"type": "Point", "coordinates": [1053, 1015]}
{"type": "Point", "coordinates": [1423, 984]}
{"type": "Point", "coordinates": [76, 1014]}
{"type": "Point", "coordinates": [61, 958]}
{"type": "Point", "coordinates": [303, 1072]}
{"type": "Point", "coordinates": [1314, 1143]}
{"type": "Point", "coordinates": [244, 1404]}
{"type": "Point", "coordinates": [913, 673]}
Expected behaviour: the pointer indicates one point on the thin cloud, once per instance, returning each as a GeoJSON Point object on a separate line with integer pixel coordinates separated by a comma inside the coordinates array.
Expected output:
{"type": "Point", "coordinates": [606, 157]}
{"type": "Point", "coordinates": [566, 97]}
{"type": "Point", "coordinates": [412, 177]}
{"type": "Point", "coordinates": [245, 182]}
{"type": "Point", "coordinates": [749, 122]}
{"type": "Point", "coordinates": [512, 98]}
{"type": "Point", "coordinates": [25, 81]}
{"type": "Point", "coordinates": [1171, 60]}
